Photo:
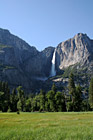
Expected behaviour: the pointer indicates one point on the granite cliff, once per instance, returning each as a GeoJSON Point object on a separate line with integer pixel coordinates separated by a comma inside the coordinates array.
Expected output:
{"type": "Point", "coordinates": [78, 50]}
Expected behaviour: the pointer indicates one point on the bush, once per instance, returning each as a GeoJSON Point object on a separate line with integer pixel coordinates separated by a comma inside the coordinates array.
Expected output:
{"type": "Point", "coordinates": [18, 112]}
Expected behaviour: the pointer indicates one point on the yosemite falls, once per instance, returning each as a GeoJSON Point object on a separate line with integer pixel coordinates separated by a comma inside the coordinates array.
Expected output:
{"type": "Point", "coordinates": [53, 71]}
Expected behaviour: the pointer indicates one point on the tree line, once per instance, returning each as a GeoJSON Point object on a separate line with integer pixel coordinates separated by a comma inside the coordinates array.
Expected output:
{"type": "Point", "coordinates": [52, 101]}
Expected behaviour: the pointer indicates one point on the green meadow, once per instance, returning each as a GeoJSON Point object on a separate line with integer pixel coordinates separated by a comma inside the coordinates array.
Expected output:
{"type": "Point", "coordinates": [46, 126]}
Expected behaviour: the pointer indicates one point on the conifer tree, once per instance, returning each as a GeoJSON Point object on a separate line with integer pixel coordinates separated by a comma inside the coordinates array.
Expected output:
{"type": "Point", "coordinates": [72, 92]}
{"type": "Point", "coordinates": [13, 101]}
{"type": "Point", "coordinates": [42, 100]}
{"type": "Point", "coordinates": [54, 89]}
{"type": "Point", "coordinates": [60, 101]}
{"type": "Point", "coordinates": [6, 96]}
{"type": "Point", "coordinates": [91, 93]}
{"type": "Point", "coordinates": [71, 84]}
{"type": "Point", "coordinates": [72, 88]}
{"type": "Point", "coordinates": [21, 98]}
{"type": "Point", "coordinates": [78, 98]}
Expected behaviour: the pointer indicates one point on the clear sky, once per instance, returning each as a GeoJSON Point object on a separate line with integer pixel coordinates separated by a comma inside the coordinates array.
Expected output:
{"type": "Point", "coordinates": [44, 23]}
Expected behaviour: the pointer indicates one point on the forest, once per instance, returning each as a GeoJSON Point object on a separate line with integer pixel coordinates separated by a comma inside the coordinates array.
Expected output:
{"type": "Point", "coordinates": [51, 101]}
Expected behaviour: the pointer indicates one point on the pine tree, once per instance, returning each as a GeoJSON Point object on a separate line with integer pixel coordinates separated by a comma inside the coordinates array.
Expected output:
{"type": "Point", "coordinates": [6, 96]}
{"type": "Point", "coordinates": [51, 100]}
{"type": "Point", "coordinates": [28, 105]}
{"type": "Point", "coordinates": [91, 93]}
{"type": "Point", "coordinates": [60, 101]}
{"type": "Point", "coordinates": [1, 100]}
{"type": "Point", "coordinates": [78, 99]}
{"type": "Point", "coordinates": [13, 100]}
{"type": "Point", "coordinates": [42, 100]}
{"type": "Point", "coordinates": [54, 89]}
{"type": "Point", "coordinates": [72, 88]}
{"type": "Point", "coordinates": [71, 84]}
{"type": "Point", "coordinates": [21, 98]}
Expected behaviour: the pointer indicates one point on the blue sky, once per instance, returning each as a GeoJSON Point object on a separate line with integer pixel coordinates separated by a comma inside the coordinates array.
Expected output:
{"type": "Point", "coordinates": [44, 23]}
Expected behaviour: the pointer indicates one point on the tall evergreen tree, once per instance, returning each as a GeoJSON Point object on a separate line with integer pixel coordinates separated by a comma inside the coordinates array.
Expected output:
{"type": "Point", "coordinates": [91, 93]}
{"type": "Point", "coordinates": [76, 95]}
{"type": "Point", "coordinates": [72, 92]}
{"type": "Point", "coordinates": [51, 100]}
{"type": "Point", "coordinates": [60, 101]}
{"type": "Point", "coordinates": [21, 98]}
{"type": "Point", "coordinates": [28, 105]}
{"type": "Point", "coordinates": [1, 100]}
{"type": "Point", "coordinates": [71, 86]}
{"type": "Point", "coordinates": [35, 105]}
{"type": "Point", "coordinates": [13, 101]}
{"type": "Point", "coordinates": [78, 99]}
{"type": "Point", "coordinates": [42, 100]}
{"type": "Point", "coordinates": [6, 96]}
{"type": "Point", "coordinates": [54, 89]}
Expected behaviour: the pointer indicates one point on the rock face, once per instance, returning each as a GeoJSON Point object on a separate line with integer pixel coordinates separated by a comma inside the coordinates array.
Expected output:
{"type": "Point", "coordinates": [76, 50]}
{"type": "Point", "coordinates": [22, 64]}
{"type": "Point", "coordinates": [40, 65]}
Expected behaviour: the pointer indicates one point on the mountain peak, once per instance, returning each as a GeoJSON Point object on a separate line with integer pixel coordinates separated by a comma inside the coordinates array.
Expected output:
{"type": "Point", "coordinates": [81, 35]}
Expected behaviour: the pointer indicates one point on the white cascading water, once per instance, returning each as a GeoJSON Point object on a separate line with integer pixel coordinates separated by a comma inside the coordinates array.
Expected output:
{"type": "Point", "coordinates": [53, 71]}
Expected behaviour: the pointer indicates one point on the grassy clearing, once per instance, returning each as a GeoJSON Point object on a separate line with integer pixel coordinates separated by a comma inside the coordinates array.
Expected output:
{"type": "Point", "coordinates": [46, 126]}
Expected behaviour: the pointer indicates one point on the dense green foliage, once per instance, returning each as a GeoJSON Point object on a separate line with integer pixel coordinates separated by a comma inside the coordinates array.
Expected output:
{"type": "Point", "coordinates": [52, 101]}
{"type": "Point", "coordinates": [46, 126]}
{"type": "Point", "coordinates": [91, 93]}
{"type": "Point", "coordinates": [75, 103]}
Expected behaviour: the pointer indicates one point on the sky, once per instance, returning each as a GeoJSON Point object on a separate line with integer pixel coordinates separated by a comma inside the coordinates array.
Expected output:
{"type": "Point", "coordinates": [43, 23]}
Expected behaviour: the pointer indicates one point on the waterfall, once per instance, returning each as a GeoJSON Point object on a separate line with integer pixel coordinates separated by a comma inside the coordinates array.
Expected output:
{"type": "Point", "coordinates": [53, 71]}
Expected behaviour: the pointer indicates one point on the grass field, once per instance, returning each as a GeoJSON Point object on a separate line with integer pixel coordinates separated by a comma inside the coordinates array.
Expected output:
{"type": "Point", "coordinates": [46, 126]}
